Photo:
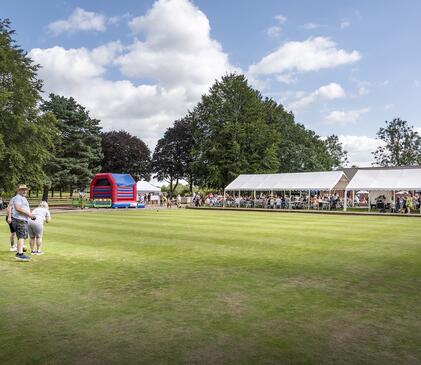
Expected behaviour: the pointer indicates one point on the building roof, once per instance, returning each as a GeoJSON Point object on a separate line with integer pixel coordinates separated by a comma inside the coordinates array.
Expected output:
{"type": "Point", "coordinates": [324, 180]}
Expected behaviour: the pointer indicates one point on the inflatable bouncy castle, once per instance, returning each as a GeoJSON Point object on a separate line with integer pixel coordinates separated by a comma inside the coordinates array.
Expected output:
{"type": "Point", "coordinates": [119, 188]}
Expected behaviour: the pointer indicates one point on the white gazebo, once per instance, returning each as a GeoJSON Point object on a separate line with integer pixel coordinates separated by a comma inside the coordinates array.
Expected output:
{"type": "Point", "coordinates": [385, 181]}
{"type": "Point", "coordinates": [147, 187]}
{"type": "Point", "coordinates": [300, 181]}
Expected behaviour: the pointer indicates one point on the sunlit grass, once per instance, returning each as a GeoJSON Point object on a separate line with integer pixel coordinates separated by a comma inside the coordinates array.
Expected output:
{"type": "Point", "coordinates": [185, 286]}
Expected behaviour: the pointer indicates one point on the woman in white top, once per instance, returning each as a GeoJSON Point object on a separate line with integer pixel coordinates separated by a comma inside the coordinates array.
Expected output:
{"type": "Point", "coordinates": [36, 227]}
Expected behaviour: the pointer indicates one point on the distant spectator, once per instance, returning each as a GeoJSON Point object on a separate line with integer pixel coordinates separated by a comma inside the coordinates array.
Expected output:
{"type": "Point", "coordinates": [36, 227]}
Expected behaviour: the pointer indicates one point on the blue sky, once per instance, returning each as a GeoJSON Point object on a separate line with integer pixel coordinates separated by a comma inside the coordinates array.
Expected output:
{"type": "Point", "coordinates": [342, 67]}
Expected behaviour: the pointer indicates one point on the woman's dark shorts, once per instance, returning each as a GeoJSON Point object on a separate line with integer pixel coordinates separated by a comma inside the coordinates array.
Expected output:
{"type": "Point", "coordinates": [12, 229]}
{"type": "Point", "coordinates": [21, 228]}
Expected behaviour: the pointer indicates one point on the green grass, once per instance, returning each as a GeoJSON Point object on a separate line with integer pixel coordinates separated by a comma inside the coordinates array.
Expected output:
{"type": "Point", "coordinates": [215, 287]}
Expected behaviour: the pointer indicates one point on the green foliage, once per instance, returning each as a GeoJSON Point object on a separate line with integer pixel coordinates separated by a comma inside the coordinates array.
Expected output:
{"type": "Point", "coordinates": [77, 152]}
{"type": "Point", "coordinates": [183, 190]}
{"type": "Point", "coordinates": [231, 134]}
{"type": "Point", "coordinates": [172, 158]}
{"type": "Point", "coordinates": [25, 135]}
{"type": "Point", "coordinates": [124, 153]}
{"type": "Point", "coordinates": [402, 145]}
{"type": "Point", "coordinates": [237, 131]}
{"type": "Point", "coordinates": [301, 149]}
{"type": "Point", "coordinates": [337, 155]}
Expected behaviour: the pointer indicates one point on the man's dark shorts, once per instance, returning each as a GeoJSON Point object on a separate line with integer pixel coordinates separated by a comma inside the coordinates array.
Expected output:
{"type": "Point", "coordinates": [12, 229]}
{"type": "Point", "coordinates": [21, 228]}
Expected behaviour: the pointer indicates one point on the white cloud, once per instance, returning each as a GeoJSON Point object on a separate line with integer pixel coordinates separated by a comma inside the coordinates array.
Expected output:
{"type": "Point", "coordinates": [360, 149]}
{"type": "Point", "coordinates": [385, 83]}
{"type": "Point", "coordinates": [363, 87]}
{"type": "Point", "coordinates": [178, 49]}
{"type": "Point", "coordinates": [177, 55]}
{"type": "Point", "coordinates": [79, 20]}
{"type": "Point", "coordinates": [342, 117]}
{"type": "Point", "coordinates": [417, 83]}
{"type": "Point", "coordinates": [345, 23]}
{"type": "Point", "coordinates": [326, 92]}
{"type": "Point", "coordinates": [280, 18]}
{"type": "Point", "coordinates": [310, 26]}
{"type": "Point", "coordinates": [389, 106]}
{"type": "Point", "coordinates": [276, 30]}
{"type": "Point", "coordinates": [312, 54]}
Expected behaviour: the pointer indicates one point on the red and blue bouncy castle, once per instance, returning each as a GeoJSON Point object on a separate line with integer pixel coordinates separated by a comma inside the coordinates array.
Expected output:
{"type": "Point", "coordinates": [120, 188]}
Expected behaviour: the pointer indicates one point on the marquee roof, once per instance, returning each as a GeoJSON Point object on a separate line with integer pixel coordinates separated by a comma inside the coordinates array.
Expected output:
{"type": "Point", "coordinates": [399, 179]}
{"type": "Point", "coordinates": [146, 187]}
{"type": "Point", "coordinates": [325, 180]}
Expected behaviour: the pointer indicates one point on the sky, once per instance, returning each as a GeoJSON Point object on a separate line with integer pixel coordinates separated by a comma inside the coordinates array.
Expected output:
{"type": "Point", "coordinates": [342, 67]}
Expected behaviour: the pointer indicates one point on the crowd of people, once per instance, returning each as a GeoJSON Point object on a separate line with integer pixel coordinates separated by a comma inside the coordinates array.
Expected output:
{"type": "Point", "coordinates": [403, 203]}
{"type": "Point", "coordinates": [24, 223]}
{"type": "Point", "coordinates": [285, 201]}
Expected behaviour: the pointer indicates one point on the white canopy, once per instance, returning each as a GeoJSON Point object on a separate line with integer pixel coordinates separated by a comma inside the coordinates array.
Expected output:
{"type": "Point", "coordinates": [326, 180]}
{"type": "Point", "coordinates": [146, 187]}
{"type": "Point", "coordinates": [390, 179]}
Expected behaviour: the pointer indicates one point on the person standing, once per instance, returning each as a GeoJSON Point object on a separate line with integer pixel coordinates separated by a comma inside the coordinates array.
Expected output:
{"type": "Point", "coordinates": [36, 227]}
{"type": "Point", "coordinates": [20, 215]}
{"type": "Point", "coordinates": [13, 246]}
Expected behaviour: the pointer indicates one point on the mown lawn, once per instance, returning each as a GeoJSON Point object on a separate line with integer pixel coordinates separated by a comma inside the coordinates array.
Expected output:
{"type": "Point", "coordinates": [213, 287]}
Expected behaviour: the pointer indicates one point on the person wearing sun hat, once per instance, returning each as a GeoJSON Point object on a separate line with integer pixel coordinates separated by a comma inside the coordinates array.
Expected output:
{"type": "Point", "coordinates": [20, 215]}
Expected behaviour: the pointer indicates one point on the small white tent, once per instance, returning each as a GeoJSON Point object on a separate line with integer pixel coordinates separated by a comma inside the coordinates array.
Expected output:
{"type": "Point", "coordinates": [146, 187]}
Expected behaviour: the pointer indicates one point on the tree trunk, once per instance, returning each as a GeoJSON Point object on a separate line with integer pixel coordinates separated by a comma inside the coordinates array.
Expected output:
{"type": "Point", "coordinates": [45, 193]}
{"type": "Point", "coordinates": [52, 192]}
{"type": "Point", "coordinates": [71, 192]}
{"type": "Point", "coordinates": [171, 188]}
{"type": "Point", "coordinates": [61, 192]}
{"type": "Point", "coordinates": [176, 184]}
{"type": "Point", "coordinates": [37, 193]}
{"type": "Point", "coordinates": [191, 184]}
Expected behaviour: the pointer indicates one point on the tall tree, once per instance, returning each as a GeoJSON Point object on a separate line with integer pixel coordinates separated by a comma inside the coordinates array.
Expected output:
{"type": "Point", "coordinates": [299, 148]}
{"type": "Point", "coordinates": [183, 131]}
{"type": "Point", "coordinates": [401, 145]}
{"type": "Point", "coordinates": [78, 151]}
{"type": "Point", "coordinates": [172, 158]}
{"type": "Point", "coordinates": [231, 133]}
{"type": "Point", "coordinates": [25, 135]}
{"type": "Point", "coordinates": [338, 157]}
{"type": "Point", "coordinates": [124, 153]}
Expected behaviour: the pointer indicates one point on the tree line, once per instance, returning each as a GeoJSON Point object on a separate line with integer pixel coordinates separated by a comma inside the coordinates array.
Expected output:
{"type": "Point", "coordinates": [56, 144]}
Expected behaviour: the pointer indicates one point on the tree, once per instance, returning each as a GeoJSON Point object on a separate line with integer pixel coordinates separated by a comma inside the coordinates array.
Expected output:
{"type": "Point", "coordinates": [25, 135]}
{"type": "Point", "coordinates": [124, 153]}
{"type": "Point", "coordinates": [298, 148]}
{"type": "Point", "coordinates": [337, 155]}
{"type": "Point", "coordinates": [231, 134]}
{"type": "Point", "coordinates": [183, 131]}
{"type": "Point", "coordinates": [78, 152]}
{"type": "Point", "coordinates": [401, 145]}
{"type": "Point", "coordinates": [172, 158]}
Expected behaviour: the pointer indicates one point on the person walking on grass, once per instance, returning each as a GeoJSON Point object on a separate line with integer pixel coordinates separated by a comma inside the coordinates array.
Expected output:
{"type": "Point", "coordinates": [36, 227]}
{"type": "Point", "coordinates": [20, 215]}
